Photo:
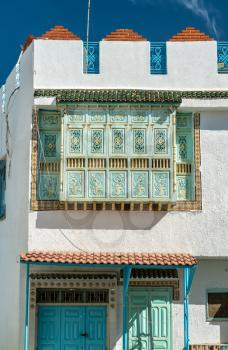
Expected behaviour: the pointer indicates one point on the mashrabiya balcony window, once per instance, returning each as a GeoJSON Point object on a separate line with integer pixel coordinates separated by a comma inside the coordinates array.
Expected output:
{"type": "Point", "coordinates": [115, 154]}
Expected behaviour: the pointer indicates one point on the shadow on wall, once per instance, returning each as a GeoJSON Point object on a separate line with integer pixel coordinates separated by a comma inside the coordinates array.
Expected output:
{"type": "Point", "coordinates": [105, 220]}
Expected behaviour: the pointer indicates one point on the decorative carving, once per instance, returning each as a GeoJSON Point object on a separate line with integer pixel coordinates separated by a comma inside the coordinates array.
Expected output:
{"type": "Point", "coordinates": [139, 140]}
{"type": "Point", "coordinates": [160, 116]}
{"type": "Point", "coordinates": [139, 116]}
{"type": "Point", "coordinates": [50, 145]}
{"type": "Point", "coordinates": [118, 116]}
{"type": "Point", "coordinates": [76, 184]}
{"type": "Point", "coordinates": [139, 184]}
{"type": "Point", "coordinates": [49, 187]}
{"type": "Point", "coordinates": [98, 116]}
{"type": "Point", "coordinates": [91, 58]}
{"type": "Point", "coordinates": [75, 142]}
{"type": "Point", "coordinates": [118, 186]}
{"type": "Point", "coordinates": [222, 54]}
{"type": "Point", "coordinates": [118, 140]}
{"type": "Point", "coordinates": [182, 152]}
{"type": "Point", "coordinates": [160, 184]}
{"type": "Point", "coordinates": [97, 141]}
{"type": "Point", "coordinates": [160, 141]}
{"type": "Point", "coordinates": [76, 116]}
{"type": "Point", "coordinates": [96, 184]}
{"type": "Point", "coordinates": [183, 188]}
{"type": "Point", "coordinates": [158, 58]}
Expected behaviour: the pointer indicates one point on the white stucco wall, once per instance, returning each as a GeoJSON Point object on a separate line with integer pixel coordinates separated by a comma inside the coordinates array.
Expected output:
{"type": "Point", "coordinates": [58, 64]}
{"type": "Point", "coordinates": [202, 233]}
{"type": "Point", "coordinates": [14, 228]}
{"type": "Point", "coordinates": [190, 65]}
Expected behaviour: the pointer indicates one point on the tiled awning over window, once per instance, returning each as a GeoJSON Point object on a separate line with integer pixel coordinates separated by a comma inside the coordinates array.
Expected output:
{"type": "Point", "coordinates": [127, 95]}
{"type": "Point", "coordinates": [162, 259]}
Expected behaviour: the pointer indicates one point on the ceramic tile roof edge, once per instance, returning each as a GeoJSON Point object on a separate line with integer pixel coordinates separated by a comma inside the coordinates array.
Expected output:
{"type": "Point", "coordinates": [175, 94]}
{"type": "Point", "coordinates": [110, 258]}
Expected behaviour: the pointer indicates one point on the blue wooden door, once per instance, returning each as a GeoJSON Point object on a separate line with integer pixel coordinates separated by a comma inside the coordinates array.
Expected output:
{"type": "Point", "coordinates": [149, 319]}
{"type": "Point", "coordinates": [71, 328]}
{"type": "Point", "coordinates": [96, 328]}
{"type": "Point", "coordinates": [49, 328]}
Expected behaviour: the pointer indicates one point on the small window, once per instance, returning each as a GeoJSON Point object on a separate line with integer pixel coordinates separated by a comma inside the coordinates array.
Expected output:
{"type": "Point", "coordinates": [217, 305]}
{"type": "Point", "coordinates": [158, 64]}
{"type": "Point", "coordinates": [91, 63]}
{"type": "Point", "coordinates": [2, 188]}
{"type": "Point", "coordinates": [222, 57]}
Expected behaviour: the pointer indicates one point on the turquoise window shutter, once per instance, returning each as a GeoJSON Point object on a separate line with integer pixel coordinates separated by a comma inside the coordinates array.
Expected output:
{"type": "Point", "coordinates": [2, 188]}
{"type": "Point", "coordinates": [48, 186]}
{"type": "Point", "coordinates": [222, 57]}
{"type": "Point", "coordinates": [91, 59]}
{"type": "Point", "coordinates": [158, 58]}
{"type": "Point", "coordinates": [185, 156]}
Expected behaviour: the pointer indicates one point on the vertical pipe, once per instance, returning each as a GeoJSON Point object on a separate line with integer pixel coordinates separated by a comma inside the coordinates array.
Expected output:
{"type": "Point", "coordinates": [26, 309]}
{"type": "Point", "coordinates": [126, 278]}
{"type": "Point", "coordinates": [186, 326]}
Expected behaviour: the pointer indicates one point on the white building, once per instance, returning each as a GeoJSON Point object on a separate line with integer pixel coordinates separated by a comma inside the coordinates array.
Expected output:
{"type": "Point", "coordinates": [114, 194]}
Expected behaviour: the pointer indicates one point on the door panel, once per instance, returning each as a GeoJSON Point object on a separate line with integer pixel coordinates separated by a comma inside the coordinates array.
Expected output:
{"type": "Point", "coordinates": [72, 328]}
{"type": "Point", "coordinates": [96, 328]}
{"type": "Point", "coordinates": [149, 319]}
{"type": "Point", "coordinates": [138, 321]}
{"type": "Point", "coordinates": [49, 328]}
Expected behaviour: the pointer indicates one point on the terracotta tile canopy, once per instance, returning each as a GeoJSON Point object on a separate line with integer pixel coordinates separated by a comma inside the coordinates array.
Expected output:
{"type": "Point", "coordinates": [162, 259]}
{"type": "Point", "coordinates": [190, 34]}
{"type": "Point", "coordinates": [124, 35]}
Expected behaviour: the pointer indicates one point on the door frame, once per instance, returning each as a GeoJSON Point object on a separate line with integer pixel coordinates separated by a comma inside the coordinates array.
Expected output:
{"type": "Point", "coordinates": [151, 288]}
{"type": "Point", "coordinates": [106, 306]}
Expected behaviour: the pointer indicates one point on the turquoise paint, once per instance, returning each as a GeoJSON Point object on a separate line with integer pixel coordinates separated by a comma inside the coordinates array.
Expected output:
{"type": "Point", "coordinates": [185, 155]}
{"type": "Point", "coordinates": [26, 309]}
{"type": "Point", "coordinates": [126, 279]}
{"type": "Point", "coordinates": [71, 327]}
{"type": "Point", "coordinates": [149, 319]}
{"type": "Point", "coordinates": [91, 58]}
{"type": "Point", "coordinates": [222, 57]}
{"type": "Point", "coordinates": [158, 58]}
{"type": "Point", "coordinates": [118, 133]}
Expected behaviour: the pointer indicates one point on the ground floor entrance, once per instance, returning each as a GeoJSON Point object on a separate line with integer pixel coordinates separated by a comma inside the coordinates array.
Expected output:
{"type": "Point", "coordinates": [149, 311]}
{"type": "Point", "coordinates": [71, 328]}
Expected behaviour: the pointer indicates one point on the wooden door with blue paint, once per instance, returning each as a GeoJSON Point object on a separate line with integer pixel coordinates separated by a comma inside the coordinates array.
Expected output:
{"type": "Point", "coordinates": [71, 328]}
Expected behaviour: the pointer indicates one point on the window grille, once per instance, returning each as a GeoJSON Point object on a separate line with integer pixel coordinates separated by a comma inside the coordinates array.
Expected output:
{"type": "Point", "coordinates": [72, 296]}
{"type": "Point", "coordinates": [2, 188]}
{"type": "Point", "coordinates": [91, 58]}
{"type": "Point", "coordinates": [222, 57]}
{"type": "Point", "coordinates": [158, 58]}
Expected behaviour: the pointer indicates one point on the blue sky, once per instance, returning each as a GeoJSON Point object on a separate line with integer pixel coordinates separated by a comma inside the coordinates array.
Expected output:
{"type": "Point", "coordinates": [157, 20]}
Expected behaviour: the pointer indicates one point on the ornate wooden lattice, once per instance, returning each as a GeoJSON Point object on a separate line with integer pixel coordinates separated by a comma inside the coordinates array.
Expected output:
{"type": "Point", "coordinates": [112, 158]}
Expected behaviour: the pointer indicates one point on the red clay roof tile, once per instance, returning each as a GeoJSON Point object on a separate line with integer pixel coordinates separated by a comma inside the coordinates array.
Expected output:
{"type": "Point", "coordinates": [59, 33]}
{"type": "Point", "coordinates": [190, 34]}
{"type": "Point", "coordinates": [110, 258]}
{"type": "Point", "coordinates": [124, 35]}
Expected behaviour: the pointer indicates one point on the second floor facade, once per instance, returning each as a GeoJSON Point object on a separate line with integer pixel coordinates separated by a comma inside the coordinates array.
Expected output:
{"type": "Point", "coordinates": [120, 160]}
